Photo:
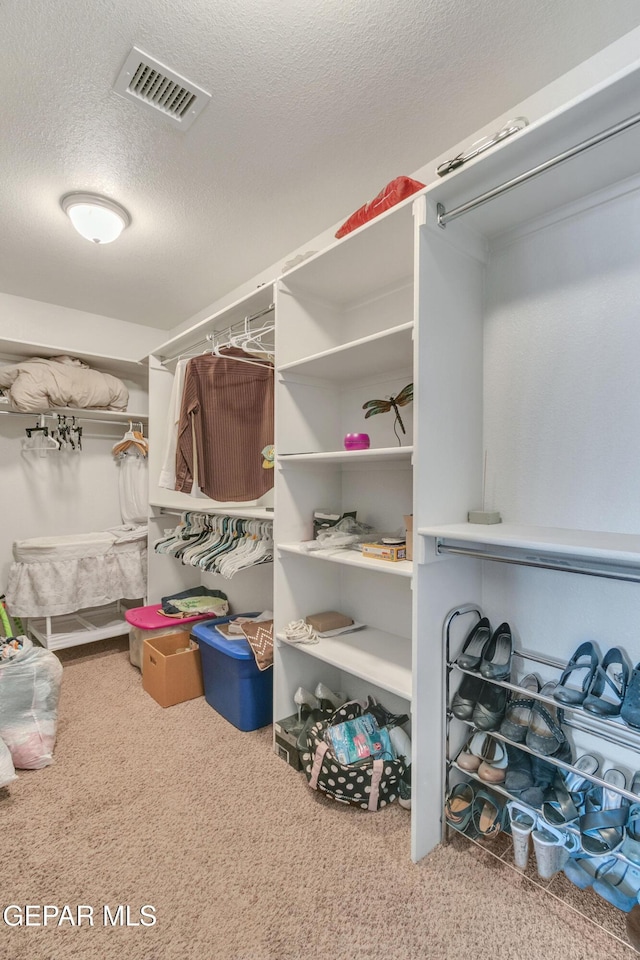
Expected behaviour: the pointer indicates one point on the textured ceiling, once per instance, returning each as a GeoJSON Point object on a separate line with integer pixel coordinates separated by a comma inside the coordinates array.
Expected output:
{"type": "Point", "coordinates": [315, 106]}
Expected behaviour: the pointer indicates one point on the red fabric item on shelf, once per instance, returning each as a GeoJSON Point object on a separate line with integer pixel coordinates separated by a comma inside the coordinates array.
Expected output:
{"type": "Point", "coordinates": [399, 189]}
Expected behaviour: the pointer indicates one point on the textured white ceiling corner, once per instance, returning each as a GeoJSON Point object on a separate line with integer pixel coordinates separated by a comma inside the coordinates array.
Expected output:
{"type": "Point", "coordinates": [314, 108]}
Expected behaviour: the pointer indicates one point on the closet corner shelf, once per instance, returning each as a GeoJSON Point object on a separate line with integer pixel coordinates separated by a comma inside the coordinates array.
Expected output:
{"type": "Point", "coordinates": [180, 502]}
{"type": "Point", "coordinates": [347, 456]}
{"type": "Point", "coordinates": [350, 558]}
{"type": "Point", "coordinates": [611, 555]}
{"type": "Point", "coordinates": [376, 354]}
{"type": "Point", "coordinates": [382, 659]}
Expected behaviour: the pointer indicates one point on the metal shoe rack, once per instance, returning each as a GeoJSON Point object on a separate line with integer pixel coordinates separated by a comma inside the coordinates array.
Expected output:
{"type": "Point", "coordinates": [612, 731]}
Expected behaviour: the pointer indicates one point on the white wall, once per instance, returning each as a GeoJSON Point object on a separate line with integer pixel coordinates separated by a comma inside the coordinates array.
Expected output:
{"type": "Point", "coordinates": [61, 493]}
{"type": "Point", "coordinates": [47, 323]}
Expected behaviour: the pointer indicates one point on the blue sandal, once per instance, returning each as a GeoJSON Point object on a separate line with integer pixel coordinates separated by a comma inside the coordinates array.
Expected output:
{"type": "Point", "coordinates": [459, 806]}
{"type": "Point", "coordinates": [572, 695]}
{"type": "Point", "coordinates": [606, 812]}
{"type": "Point", "coordinates": [567, 795]}
{"type": "Point", "coordinates": [619, 884]}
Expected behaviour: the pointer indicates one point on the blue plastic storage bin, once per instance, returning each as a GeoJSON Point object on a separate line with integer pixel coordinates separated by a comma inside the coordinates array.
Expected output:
{"type": "Point", "coordinates": [233, 685]}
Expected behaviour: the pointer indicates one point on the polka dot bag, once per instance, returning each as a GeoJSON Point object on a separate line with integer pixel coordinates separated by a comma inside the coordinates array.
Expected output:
{"type": "Point", "coordinates": [370, 785]}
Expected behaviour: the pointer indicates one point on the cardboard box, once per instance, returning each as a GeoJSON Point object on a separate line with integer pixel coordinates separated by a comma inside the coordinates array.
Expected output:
{"type": "Point", "coordinates": [385, 551]}
{"type": "Point", "coordinates": [285, 737]}
{"type": "Point", "coordinates": [168, 676]}
{"type": "Point", "coordinates": [408, 522]}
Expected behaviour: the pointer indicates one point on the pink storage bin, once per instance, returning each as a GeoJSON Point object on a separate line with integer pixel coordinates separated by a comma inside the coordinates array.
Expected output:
{"type": "Point", "coordinates": [146, 622]}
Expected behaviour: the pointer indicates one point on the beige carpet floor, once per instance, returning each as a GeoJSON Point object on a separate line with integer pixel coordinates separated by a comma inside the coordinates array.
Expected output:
{"type": "Point", "coordinates": [177, 809]}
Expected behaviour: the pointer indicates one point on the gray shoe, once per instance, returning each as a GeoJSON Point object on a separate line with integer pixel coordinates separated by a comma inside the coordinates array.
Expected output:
{"type": "Point", "coordinates": [516, 720]}
{"type": "Point", "coordinates": [545, 735]}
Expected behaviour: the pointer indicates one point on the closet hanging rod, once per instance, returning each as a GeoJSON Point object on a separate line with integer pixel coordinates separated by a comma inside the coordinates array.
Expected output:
{"type": "Point", "coordinates": [444, 216]}
{"type": "Point", "coordinates": [203, 343]}
{"type": "Point", "coordinates": [616, 573]}
{"type": "Point", "coordinates": [53, 416]}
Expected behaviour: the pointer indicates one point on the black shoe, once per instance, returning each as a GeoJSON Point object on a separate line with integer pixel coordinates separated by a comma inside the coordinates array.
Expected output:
{"type": "Point", "coordinates": [490, 708]}
{"type": "Point", "coordinates": [474, 644]}
{"type": "Point", "coordinates": [466, 697]}
{"type": "Point", "coordinates": [496, 657]}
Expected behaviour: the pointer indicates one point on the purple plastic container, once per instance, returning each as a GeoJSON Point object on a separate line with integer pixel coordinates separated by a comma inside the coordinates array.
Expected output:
{"type": "Point", "coordinates": [357, 441]}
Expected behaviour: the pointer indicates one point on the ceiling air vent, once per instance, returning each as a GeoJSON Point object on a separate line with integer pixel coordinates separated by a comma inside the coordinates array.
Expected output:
{"type": "Point", "coordinates": [149, 82]}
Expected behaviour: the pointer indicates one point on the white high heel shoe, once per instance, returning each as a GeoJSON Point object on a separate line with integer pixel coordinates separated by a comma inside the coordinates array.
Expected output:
{"type": "Point", "coordinates": [303, 697]}
{"type": "Point", "coordinates": [336, 700]}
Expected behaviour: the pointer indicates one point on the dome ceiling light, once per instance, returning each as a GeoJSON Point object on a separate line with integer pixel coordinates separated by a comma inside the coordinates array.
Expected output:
{"type": "Point", "coordinates": [95, 218]}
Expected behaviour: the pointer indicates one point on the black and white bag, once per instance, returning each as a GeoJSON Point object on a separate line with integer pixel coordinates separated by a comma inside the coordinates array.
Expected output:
{"type": "Point", "coordinates": [371, 784]}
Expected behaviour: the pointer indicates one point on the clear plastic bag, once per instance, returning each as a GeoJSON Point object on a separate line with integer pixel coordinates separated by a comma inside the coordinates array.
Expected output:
{"type": "Point", "coordinates": [346, 533]}
{"type": "Point", "coordinates": [7, 772]}
{"type": "Point", "coordinates": [29, 692]}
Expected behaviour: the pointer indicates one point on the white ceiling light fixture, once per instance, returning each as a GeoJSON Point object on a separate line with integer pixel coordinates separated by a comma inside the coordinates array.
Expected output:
{"type": "Point", "coordinates": [94, 217]}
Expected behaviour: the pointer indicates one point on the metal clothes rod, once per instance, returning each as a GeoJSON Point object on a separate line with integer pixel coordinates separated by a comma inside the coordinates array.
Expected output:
{"type": "Point", "coordinates": [546, 565]}
{"type": "Point", "coordinates": [444, 216]}
{"type": "Point", "coordinates": [53, 416]}
{"type": "Point", "coordinates": [205, 340]}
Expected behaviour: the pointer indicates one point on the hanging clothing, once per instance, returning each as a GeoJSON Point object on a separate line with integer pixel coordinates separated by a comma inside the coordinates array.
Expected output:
{"type": "Point", "coordinates": [168, 472]}
{"type": "Point", "coordinates": [226, 421]}
{"type": "Point", "coordinates": [133, 488]}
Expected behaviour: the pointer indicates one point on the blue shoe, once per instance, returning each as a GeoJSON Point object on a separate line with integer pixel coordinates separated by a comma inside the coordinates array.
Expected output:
{"type": "Point", "coordinates": [566, 797]}
{"type": "Point", "coordinates": [459, 806]}
{"type": "Point", "coordinates": [606, 811]}
{"type": "Point", "coordinates": [584, 660]}
{"type": "Point", "coordinates": [607, 692]}
{"type": "Point", "coordinates": [582, 871]}
{"type": "Point", "coordinates": [630, 711]}
{"type": "Point", "coordinates": [619, 885]}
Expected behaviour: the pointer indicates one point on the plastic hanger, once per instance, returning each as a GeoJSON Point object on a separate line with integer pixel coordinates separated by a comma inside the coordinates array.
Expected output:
{"type": "Point", "coordinates": [133, 440]}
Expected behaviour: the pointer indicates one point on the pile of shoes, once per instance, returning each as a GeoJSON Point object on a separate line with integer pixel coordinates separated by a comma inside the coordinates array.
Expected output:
{"type": "Point", "coordinates": [589, 831]}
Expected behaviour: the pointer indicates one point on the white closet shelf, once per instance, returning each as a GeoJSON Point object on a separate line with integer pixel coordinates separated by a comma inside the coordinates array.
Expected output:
{"type": "Point", "coordinates": [373, 258]}
{"type": "Point", "coordinates": [81, 413]}
{"type": "Point", "coordinates": [347, 456]}
{"type": "Point", "coordinates": [84, 626]}
{"type": "Point", "coordinates": [588, 115]}
{"type": "Point", "coordinates": [382, 659]}
{"type": "Point", "coordinates": [376, 354]}
{"type": "Point", "coordinates": [400, 568]}
{"type": "Point", "coordinates": [176, 503]}
{"type": "Point", "coordinates": [531, 545]}
{"type": "Point", "coordinates": [122, 367]}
